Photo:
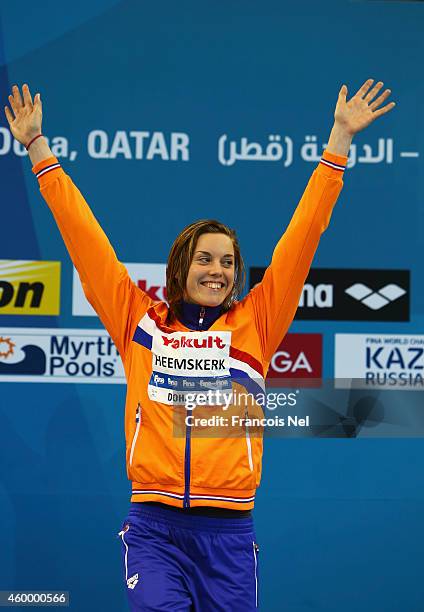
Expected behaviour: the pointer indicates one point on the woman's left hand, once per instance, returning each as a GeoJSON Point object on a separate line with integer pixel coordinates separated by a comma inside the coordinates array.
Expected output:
{"type": "Point", "coordinates": [363, 108]}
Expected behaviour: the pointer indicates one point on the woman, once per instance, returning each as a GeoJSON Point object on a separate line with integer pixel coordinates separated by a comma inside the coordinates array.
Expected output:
{"type": "Point", "coordinates": [188, 541]}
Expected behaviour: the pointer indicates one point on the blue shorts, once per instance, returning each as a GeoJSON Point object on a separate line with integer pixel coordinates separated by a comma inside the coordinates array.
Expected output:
{"type": "Point", "coordinates": [177, 563]}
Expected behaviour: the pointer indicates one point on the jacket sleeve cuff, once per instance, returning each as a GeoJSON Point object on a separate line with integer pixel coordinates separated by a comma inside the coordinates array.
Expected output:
{"type": "Point", "coordinates": [46, 170]}
{"type": "Point", "coordinates": [332, 165]}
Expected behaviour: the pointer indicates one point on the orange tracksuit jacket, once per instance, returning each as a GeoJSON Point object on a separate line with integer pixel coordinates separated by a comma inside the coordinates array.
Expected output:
{"type": "Point", "coordinates": [167, 461]}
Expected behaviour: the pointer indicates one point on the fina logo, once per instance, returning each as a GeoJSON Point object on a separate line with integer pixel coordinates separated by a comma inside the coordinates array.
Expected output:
{"type": "Point", "coordinates": [375, 299]}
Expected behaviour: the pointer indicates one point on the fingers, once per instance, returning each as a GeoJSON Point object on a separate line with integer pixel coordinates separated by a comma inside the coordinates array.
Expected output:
{"type": "Point", "coordinates": [8, 115]}
{"type": "Point", "coordinates": [13, 105]}
{"type": "Point", "coordinates": [17, 96]}
{"type": "Point", "coordinates": [374, 105]}
{"type": "Point", "coordinates": [343, 93]}
{"type": "Point", "coordinates": [362, 91]}
{"type": "Point", "coordinates": [373, 92]}
{"type": "Point", "coordinates": [16, 102]}
{"type": "Point", "coordinates": [384, 110]}
{"type": "Point", "coordinates": [27, 96]}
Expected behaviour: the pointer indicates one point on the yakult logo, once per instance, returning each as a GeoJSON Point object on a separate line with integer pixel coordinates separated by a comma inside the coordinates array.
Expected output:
{"type": "Point", "coordinates": [183, 362]}
{"type": "Point", "coordinates": [190, 342]}
{"type": "Point", "coordinates": [156, 292]}
{"type": "Point", "coordinates": [150, 278]}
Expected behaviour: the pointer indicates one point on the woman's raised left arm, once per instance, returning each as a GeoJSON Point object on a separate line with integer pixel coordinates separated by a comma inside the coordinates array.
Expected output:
{"type": "Point", "coordinates": [275, 299]}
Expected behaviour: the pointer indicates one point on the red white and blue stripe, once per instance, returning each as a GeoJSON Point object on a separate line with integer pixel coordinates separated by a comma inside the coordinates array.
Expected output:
{"type": "Point", "coordinates": [333, 165]}
{"type": "Point", "coordinates": [236, 500]}
{"type": "Point", "coordinates": [47, 169]}
{"type": "Point", "coordinates": [244, 368]}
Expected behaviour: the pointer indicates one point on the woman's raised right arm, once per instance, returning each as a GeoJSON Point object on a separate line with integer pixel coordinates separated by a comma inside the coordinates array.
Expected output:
{"type": "Point", "coordinates": [106, 283]}
{"type": "Point", "coordinates": [25, 122]}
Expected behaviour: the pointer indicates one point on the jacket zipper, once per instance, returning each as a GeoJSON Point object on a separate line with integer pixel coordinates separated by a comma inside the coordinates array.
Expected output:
{"type": "Point", "coordinates": [201, 317]}
{"type": "Point", "coordinates": [137, 429]}
{"type": "Point", "coordinates": [249, 443]}
{"type": "Point", "coordinates": [187, 456]}
{"type": "Point", "coordinates": [186, 503]}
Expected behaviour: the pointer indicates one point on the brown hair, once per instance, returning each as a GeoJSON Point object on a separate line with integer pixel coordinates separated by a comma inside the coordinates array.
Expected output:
{"type": "Point", "coordinates": [181, 255]}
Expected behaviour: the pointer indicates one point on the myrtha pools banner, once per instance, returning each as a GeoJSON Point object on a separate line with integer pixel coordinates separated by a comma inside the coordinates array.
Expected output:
{"type": "Point", "coordinates": [53, 355]}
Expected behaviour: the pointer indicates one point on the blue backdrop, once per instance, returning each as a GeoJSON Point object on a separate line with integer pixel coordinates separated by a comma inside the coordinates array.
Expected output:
{"type": "Point", "coordinates": [338, 521]}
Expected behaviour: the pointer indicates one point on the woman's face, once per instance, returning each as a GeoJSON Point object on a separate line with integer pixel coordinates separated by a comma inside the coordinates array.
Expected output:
{"type": "Point", "coordinates": [211, 274]}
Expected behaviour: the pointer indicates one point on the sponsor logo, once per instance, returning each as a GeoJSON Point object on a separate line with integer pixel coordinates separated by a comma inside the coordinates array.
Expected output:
{"type": "Point", "coordinates": [382, 361]}
{"type": "Point", "coordinates": [155, 292]}
{"type": "Point", "coordinates": [190, 342]}
{"type": "Point", "coordinates": [132, 582]}
{"type": "Point", "coordinates": [299, 356]}
{"type": "Point", "coordinates": [319, 296]}
{"type": "Point", "coordinates": [178, 367]}
{"type": "Point", "coordinates": [150, 278]}
{"type": "Point", "coordinates": [351, 295]}
{"type": "Point", "coordinates": [375, 299]}
{"type": "Point", "coordinates": [59, 355]}
{"type": "Point", "coordinates": [29, 287]}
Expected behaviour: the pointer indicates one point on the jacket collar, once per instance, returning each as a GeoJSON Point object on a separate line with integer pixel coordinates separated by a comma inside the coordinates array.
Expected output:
{"type": "Point", "coordinates": [191, 315]}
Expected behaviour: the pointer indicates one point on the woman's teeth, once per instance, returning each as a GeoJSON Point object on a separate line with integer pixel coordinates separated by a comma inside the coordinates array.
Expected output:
{"type": "Point", "coordinates": [213, 285]}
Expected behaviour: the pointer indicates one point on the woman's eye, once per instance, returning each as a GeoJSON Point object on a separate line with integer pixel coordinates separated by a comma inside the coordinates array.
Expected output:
{"type": "Point", "coordinates": [227, 263]}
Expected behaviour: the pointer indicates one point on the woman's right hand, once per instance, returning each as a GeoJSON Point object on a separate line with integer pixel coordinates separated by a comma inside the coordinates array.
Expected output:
{"type": "Point", "coordinates": [25, 122]}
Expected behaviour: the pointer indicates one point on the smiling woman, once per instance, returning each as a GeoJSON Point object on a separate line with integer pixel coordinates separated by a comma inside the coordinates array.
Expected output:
{"type": "Point", "coordinates": [211, 274]}
{"type": "Point", "coordinates": [205, 267]}
{"type": "Point", "coordinates": [188, 542]}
